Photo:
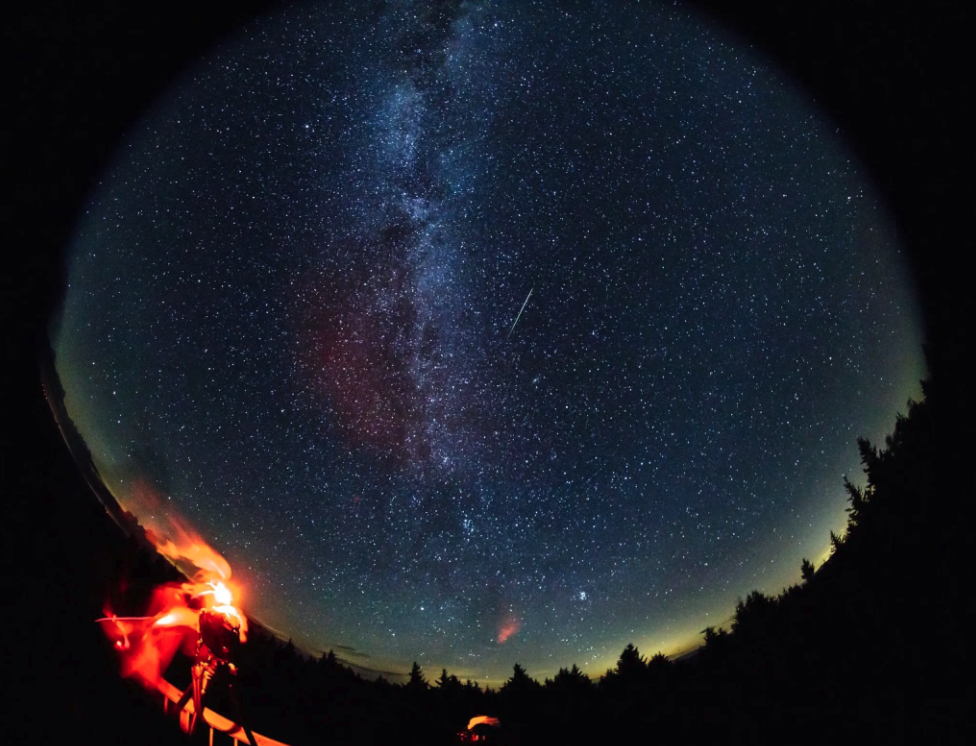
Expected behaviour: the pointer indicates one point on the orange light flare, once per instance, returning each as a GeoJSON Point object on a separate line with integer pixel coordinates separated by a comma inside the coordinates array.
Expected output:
{"type": "Point", "coordinates": [221, 599]}
{"type": "Point", "coordinates": [147, 644]}
{"type": "Point", "coordinates": [470, 735]}
{"type": "Point", "coordinates": [478, 720]}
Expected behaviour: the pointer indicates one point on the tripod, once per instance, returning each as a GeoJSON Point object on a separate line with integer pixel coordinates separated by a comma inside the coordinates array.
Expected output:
{"type": "Point", "coordinates": [214, 629]}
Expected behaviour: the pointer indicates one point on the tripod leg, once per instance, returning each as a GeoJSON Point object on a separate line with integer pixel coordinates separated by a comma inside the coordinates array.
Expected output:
{"type": "Point", "coordinates": [201, 677]}
{"type": "Point", "coordinates": [197, 699]}
{"type": "Point", "coordinates": [250, 736]}
{"type": "Point", "coordinates": [184, 698]}
{"type": "Point", "coordinates": [237, 702]}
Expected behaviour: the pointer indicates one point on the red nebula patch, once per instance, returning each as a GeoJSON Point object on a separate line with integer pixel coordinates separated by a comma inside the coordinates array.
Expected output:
{"type": "Point", "coordinates": [354, 357]}
{"type": "Point", "coordinates": [510, 626]}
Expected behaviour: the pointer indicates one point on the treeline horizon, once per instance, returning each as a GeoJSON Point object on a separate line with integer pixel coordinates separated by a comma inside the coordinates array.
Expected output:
{"type": "Point", "coordinates": [858, 649]}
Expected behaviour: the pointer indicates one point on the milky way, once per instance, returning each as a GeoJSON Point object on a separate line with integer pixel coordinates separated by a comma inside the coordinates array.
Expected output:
{"type": "Point", "coordinates": [483, 332]}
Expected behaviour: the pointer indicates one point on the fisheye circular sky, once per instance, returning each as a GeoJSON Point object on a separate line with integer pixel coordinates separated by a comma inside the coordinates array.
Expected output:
{"type": "Point", "coordinates": [482, 332]}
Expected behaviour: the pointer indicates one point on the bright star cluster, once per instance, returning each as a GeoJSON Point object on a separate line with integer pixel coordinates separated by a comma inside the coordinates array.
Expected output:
{"type": "Point", "coordinates": [482, 332]}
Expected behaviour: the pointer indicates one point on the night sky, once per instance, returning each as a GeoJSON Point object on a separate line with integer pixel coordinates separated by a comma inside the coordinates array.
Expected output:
{"type": "Point", "coordinates": [488, 332]}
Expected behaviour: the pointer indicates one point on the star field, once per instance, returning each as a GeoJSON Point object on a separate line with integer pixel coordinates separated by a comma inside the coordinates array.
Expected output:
{"type": "Point", "coordinates": [293, 317]}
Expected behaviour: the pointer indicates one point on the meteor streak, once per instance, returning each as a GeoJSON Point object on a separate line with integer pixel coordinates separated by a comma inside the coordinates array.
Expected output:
{"type": "Point", "coordinates": [520, 312]}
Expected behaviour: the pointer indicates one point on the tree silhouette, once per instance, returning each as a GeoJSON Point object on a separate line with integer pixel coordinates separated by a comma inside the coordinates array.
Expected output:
{"type": "Point", "coordinates": [857, 499]}
{"type": "Point", "coordinates": [417, 682]}
{"type": "Point", "coordinates": [630, 660]}
{"type": "Point", "coordinates": [520, 682]}
{"type": "Point", "coordinates": [659, 670]}
{"type": "Point", "coordinates": [572, 679]}
{"type": "Point", "coordinates": [717, 641]}
{"type": "Point", "coordinates": [448, 683]}
{"type": "Point", "coordinates": [631, 667]}
{"type": "Point", "coordinates": [754, 611]}
{"type": "Point", "coordinates": [659, 661]}
{"type": "Point", "coordinates": [836, 542]}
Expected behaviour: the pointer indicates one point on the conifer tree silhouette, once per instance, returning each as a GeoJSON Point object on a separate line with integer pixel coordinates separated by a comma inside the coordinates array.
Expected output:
{"type": "Point", "coordinates": [631, 666]}
{"type": "Point", "coordinates": [417, 682]}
